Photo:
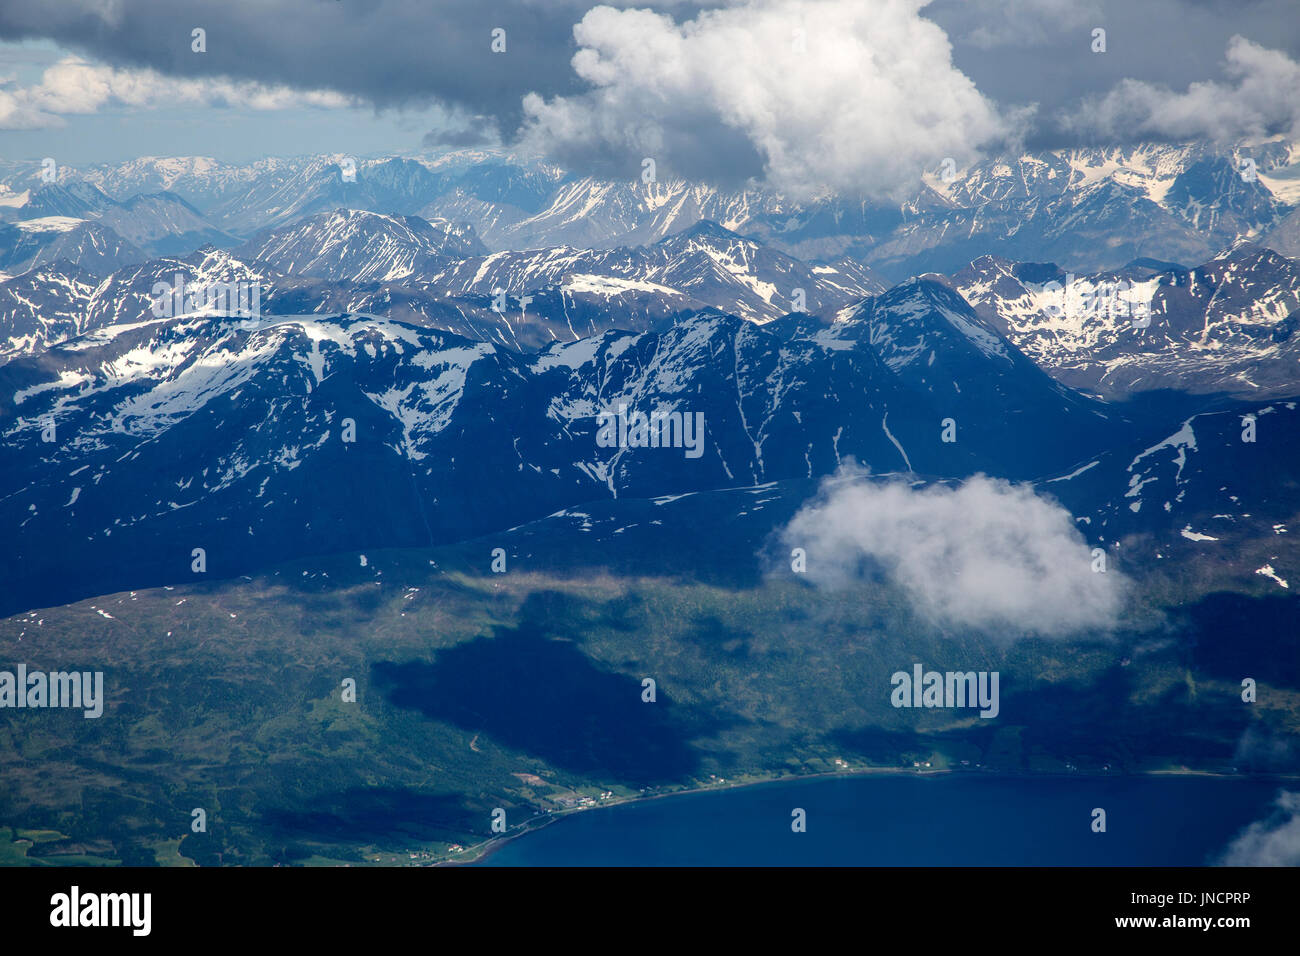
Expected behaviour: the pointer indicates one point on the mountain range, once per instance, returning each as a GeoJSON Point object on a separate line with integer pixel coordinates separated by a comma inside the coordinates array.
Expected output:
{"type": "Point", "coordinates": [493, 442]}
{"type": "Point", "coordinates": [1087, 209]}
{"type": "Point", "coordinates": [405, 306]}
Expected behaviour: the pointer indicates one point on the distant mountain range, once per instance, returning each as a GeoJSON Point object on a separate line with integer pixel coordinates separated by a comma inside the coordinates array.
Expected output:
{"type": "Point", "coordinates": [1087, 209]}
{"type": "Point", "coordinates": [78, 222]}
{"type": "Point", "coordinates": [1225, 326]}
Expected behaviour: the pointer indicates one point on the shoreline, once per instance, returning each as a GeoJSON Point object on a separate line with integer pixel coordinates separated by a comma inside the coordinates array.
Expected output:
{"type": "Point", "coordinates": [482, 851]}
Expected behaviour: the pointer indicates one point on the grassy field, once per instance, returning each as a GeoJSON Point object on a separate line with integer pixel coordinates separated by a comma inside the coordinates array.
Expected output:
{"type": "Point", "coordinates": [523, 691]}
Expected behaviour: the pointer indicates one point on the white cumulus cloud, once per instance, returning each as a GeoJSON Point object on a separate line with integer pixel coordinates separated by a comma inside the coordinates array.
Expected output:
{"type": "Point", "coordinates": [1271, 842]}
{"type": "Point", "coordinates": [75, 86]}
{"type": "Point", "coordinates": [986, 555]}
{"type": "Point", "coordinates": [822, 94]}
{"type": "Point", "coordinates": [1261, 98]}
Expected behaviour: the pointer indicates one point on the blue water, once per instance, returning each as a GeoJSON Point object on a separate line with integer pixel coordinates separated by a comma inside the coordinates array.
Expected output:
{"type": "Point", "coordinates": [907, 820]}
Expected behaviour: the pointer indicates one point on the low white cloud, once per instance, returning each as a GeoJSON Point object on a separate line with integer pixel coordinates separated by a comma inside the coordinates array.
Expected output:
{"type": "Point", "coordinates": [1259, 99]}
{"type": "Point", "coordinates": [986, 555]}
{"type": "Point", "coordinates": [822, 94]}
{"type": "Point", "coordinates": [75, 86]}
{"type": "Point", "coordinates": [16, 114]}
{"type": "Point", "coordinates": [1271, 842]}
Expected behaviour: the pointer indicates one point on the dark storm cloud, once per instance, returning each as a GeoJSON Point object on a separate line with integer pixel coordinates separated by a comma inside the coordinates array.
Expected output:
{"type": "Point", "coordinates": [1022, 51]}
{"type": "Point", "coordinates": [480, 131]}
{"type": "Point", "coordinates": [388, 52]}
{"type": "Point", "coordinates": [694, 146]}
{"type": "Point", "coordinates": [878, 97]}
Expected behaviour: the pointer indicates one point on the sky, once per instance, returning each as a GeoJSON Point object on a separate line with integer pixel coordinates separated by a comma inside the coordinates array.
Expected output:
{"type": "Point", "coordinates": [800, 94]}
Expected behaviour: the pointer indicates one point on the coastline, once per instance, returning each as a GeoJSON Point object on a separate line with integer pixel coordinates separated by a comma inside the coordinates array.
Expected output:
{"type": "Point", "coordinates": [482, 851]}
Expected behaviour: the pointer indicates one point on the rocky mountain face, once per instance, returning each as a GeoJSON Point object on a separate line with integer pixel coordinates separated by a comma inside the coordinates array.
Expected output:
{"type": "Point", "coordinates": [306, 434]}
{"type": "Point", "coordinates": [1226, 326]}
{"type": "Point", "coordinates": [78, 222]}
{"type": "Point", "coordinates": [44, 306]}
{"type": "Point", "coordinates": [350, 245]}
{"type": "Point", "coordinates": [706, 262]}
{"type": "Point", "coordinates": [1231, 472]}
{"type": "Point", "coordinates": [356, 374]}
{"type": "Point", "coordinates": [437, 274]}
{"type": "Point", "coordinates": [1088, 210]}
{"type": "Point", "coordinates": [85, 244]}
